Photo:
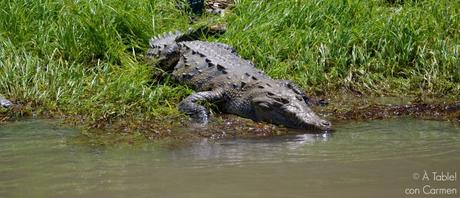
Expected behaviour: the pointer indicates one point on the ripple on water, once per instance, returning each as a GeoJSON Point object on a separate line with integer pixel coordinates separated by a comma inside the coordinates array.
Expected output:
{"type": "Point", "coordinates": [353, 141]}
{"type": "Point", "coordinates": [35, 155]}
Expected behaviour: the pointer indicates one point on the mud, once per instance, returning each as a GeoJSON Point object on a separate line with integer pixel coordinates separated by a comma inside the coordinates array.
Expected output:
{"type": "Point", "coordinates": [178, 129]}
{"type": "Point", "coordinates": [449, 112]}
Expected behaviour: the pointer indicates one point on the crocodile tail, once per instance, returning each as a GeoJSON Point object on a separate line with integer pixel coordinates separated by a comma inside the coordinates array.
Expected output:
{"type": "Point", "coordinates": [160, 43]}
{"type": "Point", "coordinates": [168, 38]}
{"type": "Point", "coordinates": [164, 42]}
{"type": "Point", "coordinates": [165, 49]}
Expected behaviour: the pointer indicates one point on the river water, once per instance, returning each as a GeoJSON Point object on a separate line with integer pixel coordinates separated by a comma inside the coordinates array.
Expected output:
{"type": "Point", "coordinates": [386, 158]}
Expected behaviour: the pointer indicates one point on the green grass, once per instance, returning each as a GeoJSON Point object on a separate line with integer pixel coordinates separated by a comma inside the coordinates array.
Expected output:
{"type": "Point", "coordinates": [87, 57]}
{"type": "Point", "coordinates": [368, 46]}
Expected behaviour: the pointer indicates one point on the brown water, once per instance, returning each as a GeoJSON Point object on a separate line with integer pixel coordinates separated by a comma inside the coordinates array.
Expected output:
{"type": "Point", "coordinates": [361, 159]}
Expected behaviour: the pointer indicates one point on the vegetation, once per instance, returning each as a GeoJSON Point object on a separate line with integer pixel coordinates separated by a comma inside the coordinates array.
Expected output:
{"type": "Point", "coordinates": [86, 58]}
{"type": "Point", "coordinates": [373, 46]}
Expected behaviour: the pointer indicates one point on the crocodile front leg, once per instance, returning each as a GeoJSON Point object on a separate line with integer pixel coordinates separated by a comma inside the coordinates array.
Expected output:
{"type": "Point", "coordinates": [197, 112]}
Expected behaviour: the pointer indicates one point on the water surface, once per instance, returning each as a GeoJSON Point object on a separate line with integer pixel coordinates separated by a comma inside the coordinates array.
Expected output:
{"type": "Point", "coordinates": [361, 159]}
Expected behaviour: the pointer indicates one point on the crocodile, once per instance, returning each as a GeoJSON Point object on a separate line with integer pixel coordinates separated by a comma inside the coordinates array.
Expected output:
{"type": "Point", "coordinates": [220, 76]}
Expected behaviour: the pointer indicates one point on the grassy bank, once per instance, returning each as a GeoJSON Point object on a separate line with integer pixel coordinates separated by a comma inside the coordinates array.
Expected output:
{"type": "Point", "coordinates": [86, 58]}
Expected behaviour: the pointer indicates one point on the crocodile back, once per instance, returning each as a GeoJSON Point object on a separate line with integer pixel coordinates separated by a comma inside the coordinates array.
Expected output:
{"type": "Point", "coordinates": [206, 65]}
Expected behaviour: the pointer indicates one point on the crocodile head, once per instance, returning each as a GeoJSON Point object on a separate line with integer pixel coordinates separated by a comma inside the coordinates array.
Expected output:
{"type": "Point", "coordinates": [285, 107]}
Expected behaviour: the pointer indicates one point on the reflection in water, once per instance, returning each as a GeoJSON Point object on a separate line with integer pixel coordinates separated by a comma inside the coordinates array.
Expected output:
{"type": "Point", "coordinates": [246, 151]}
{"type": "Point", "coordinates": [361, 159]}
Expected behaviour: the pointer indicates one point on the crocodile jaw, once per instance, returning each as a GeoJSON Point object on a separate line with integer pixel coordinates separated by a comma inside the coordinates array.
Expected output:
{"type": "Point", "coordinates": [307, 119]}
{"type": "Point", "coordinates": [289, 111]}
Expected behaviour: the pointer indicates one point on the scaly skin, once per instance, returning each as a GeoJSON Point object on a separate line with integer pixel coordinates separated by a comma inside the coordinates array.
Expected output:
{"type": "Point", "coordinates": [219, 75]}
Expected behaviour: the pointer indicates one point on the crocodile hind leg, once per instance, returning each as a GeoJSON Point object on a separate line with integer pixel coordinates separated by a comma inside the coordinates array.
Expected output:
{"type": "Point", "coordinates": [197, 112]}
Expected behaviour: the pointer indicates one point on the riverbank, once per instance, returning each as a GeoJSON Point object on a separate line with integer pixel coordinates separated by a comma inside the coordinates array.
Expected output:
{"type": "Point", "coordinates": [176, 130]}
{"type": "Point", "coordinates": [84, 61]}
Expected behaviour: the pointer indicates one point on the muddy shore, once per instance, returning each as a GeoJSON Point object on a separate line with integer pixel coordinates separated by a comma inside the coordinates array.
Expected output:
{"type": "Point", "coordinates": [178, 128]}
